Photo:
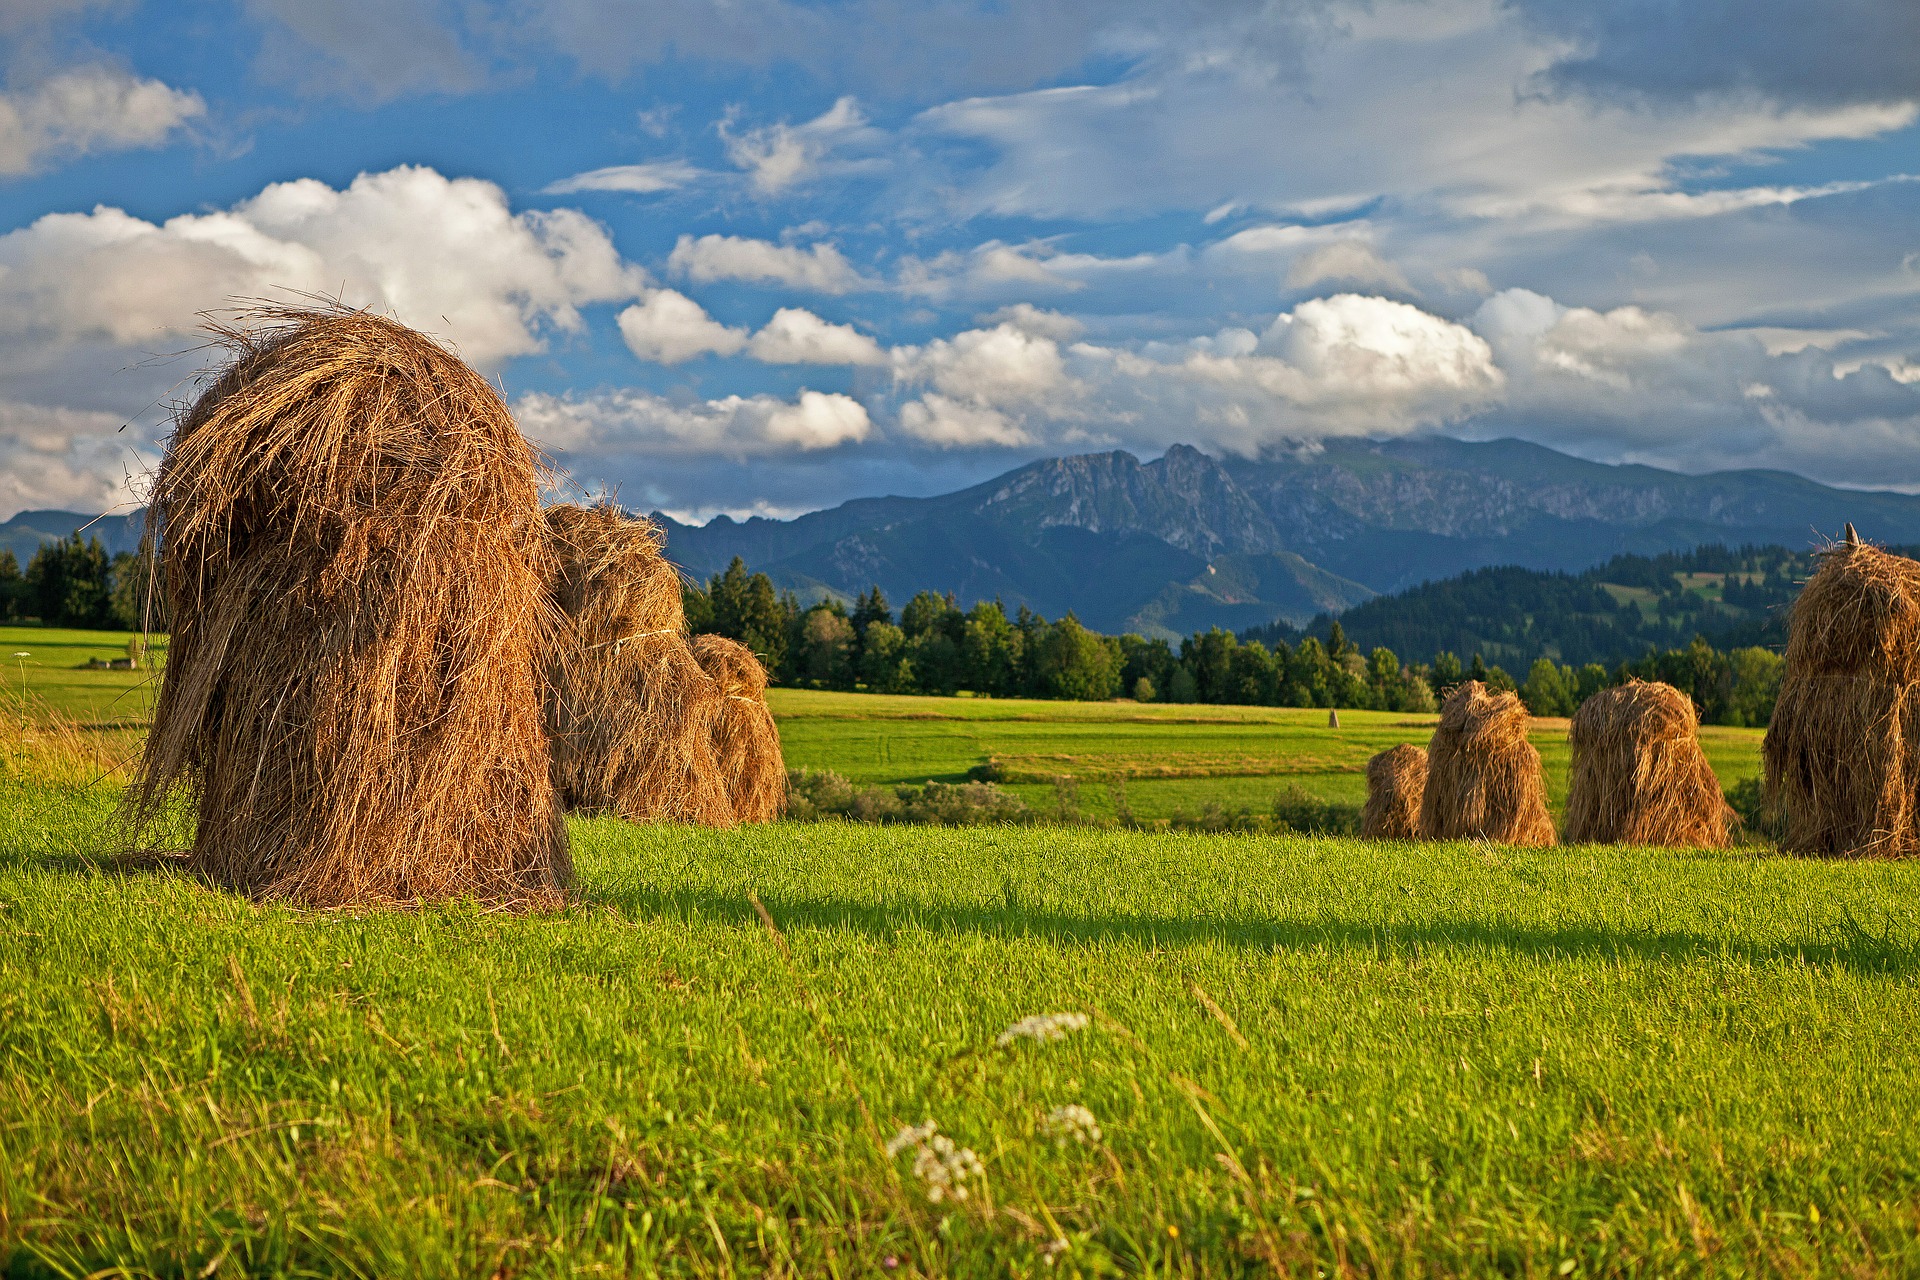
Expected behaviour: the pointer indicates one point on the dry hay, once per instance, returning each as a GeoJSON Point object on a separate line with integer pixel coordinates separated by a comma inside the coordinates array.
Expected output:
{"type": "Point", "coordinates": [630, 713]}
{"type": "Point", "coordinates": [1396, 781]}
{"type": "Point", "coordinates": [744, 736]}
{"type": "Point", "coordinates": [609, 575]}
{"type": "Point", "coordinates": [1639, 775]}
{"type": "Point", "coordinates": [1840, 751]}
{"type": "Point", "coordinates": [353, 565]}
{"type": "Point", "coordinates": [1483, 776]}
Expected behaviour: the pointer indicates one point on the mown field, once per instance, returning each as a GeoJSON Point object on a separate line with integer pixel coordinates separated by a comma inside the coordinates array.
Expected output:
{"type": "Point", "coordinates": [1317, 1057]}
{"type": "Point", "coordinates": [1169, 758]}
{"type": "Point", "coordinates": [1165, 758]}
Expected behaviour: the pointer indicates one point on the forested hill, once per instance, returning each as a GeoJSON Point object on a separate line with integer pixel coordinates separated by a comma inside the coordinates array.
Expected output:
{"type": "Point", "coordinates": [1610, 614]}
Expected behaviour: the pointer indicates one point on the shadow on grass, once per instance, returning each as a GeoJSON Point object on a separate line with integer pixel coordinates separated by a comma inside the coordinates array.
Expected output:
{"type": "Point", "coordinates": [1846, 944]}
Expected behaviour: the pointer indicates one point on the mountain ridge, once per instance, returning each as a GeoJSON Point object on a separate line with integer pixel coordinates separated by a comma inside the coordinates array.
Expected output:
{"type": "Point", "coordinates": [1187, 540]}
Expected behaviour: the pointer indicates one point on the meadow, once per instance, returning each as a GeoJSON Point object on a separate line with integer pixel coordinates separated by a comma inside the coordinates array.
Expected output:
{"type": "Point", "coordinates": [1294, 1055]}
{"type": "Point", "coordinates": [1169, 758]}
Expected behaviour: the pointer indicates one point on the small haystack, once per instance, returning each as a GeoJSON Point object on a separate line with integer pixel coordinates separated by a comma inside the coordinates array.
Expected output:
{"type": "Point", "coordinates": [745, 738]}
{"type": "Point", "coordinates": [1639, 775]}
{"type": "Point", "coordinates": [353, 568]}
{"type": "Point", "coordinates": [1843, 749]}
{"type": "Point", "coordinates": [1396, 782]}
{"type": "Point", "coordinates": [1483, 776]}
{"type": "Point", "coordinates": [631, 715]}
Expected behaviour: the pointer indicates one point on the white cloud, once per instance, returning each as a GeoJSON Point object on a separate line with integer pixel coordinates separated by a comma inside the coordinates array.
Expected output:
{"type": "Point", "coordinates": [635, 179]}
{"type": "Point", "coordinates": [668, 327]}
{"type": "Point", "coordinates": [66, 459]}
{"type": "Point", "coordinates": [950, 423]}
{"type": "Point", "coordinates": [988, 270]}
{"type": "Point", "coordinates": [89, 109]}
{"type": "Point", "coordinates": [445, 255]}
{"type": "Point", "coordinates": [1037, 321]}
{"type": "Point", "coordinates": [1000, 366]}
{"type": "Point", "coordinates": [796, 336]}
{"type": "Point", "coordinates": [779, 156]}
{"type": "Point", "coordinates": [1344, 365]}
{"type": "Point", "coordinates": [639, 422]}
{"type": "Point", "coordinates": [985, 384]}
{"type": "Point", "coordinates": [820, 267]}
{"type": "Point", "coordinates": [1347, 261]}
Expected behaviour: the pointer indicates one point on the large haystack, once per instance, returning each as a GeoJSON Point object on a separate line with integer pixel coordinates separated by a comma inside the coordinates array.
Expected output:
{"type": "Point", "coordinates": [745, 739]}
{"type": "Point", "coordinates": [1396, 783]}
{"type": "Point", "coordinates": [630, 713]}
{"type": "Point", "coordinates": [1843, 749]}
{"type": "Point", "coordinates": [353, 565]}
{"type": "Point", "coordinates": [1639, 775]}
{"type": "Point", "coordinates": [1483, 776]}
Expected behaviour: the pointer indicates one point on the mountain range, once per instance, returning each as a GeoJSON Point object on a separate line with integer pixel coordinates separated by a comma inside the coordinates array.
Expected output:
{"type": "Point", "coordinates": [1189, 541]}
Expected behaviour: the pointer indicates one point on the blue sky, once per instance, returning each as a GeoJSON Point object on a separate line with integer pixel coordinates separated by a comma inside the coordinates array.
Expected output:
{"type": "Point", "coordinates": [765, 256]}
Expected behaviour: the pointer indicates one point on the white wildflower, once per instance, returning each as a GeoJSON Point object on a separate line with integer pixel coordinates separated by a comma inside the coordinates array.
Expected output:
{"type": "Point", "coordinates": [1073, 1123]}
{"type": "Point", "coordinates": [938, 1162]}
{"type": "Point", "coordinates": [911, 1136]}
{"type": "Point", "coordinates": [1053, 1249]}
{"type": "Point", "coordinates": [1042, 1026]}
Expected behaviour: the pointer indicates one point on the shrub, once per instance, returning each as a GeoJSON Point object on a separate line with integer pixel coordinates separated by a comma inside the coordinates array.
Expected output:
{"type": "Point", "coordinates": [815, 794]}
{"type": "Point", "coordinates": [1297, 809]}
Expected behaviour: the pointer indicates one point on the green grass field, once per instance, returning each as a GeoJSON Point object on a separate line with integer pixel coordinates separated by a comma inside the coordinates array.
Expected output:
{"type": "Point", "coordinates": [53, 674]}
{"type": "Point", "coordinates": [1317, 1057]}
{"type": "Point", "coordinates": [1232, 756]}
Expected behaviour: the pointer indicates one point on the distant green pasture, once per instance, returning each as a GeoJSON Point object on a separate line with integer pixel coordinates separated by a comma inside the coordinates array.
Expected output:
{"type": "Point", "coordinates": [1234, 756]}
{"type": "Point", "coordinates": [53, 676]}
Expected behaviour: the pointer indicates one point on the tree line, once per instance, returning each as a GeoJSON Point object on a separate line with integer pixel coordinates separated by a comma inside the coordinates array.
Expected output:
{"type": "Point", "coordinates": [1735, 597]}
{"type": "Point", "coordinates": [934, 646]}
{"type": "Point", "coordinates": [75, 583]}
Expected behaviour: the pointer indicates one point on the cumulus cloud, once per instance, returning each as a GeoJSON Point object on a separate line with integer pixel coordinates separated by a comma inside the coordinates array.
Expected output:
{"type": "Point", "coordinates": [1345, 365]}
{"type": "Point", "coordinates": [634, 179]}
{"type": "Point", "coordinates": [446, 255]}
{"type": "Point", "coordinates": [1001, 365]}
{"type": "Point", "coordinates": [819, 267]}
{"type": "Point", "coordinates": [669, 327]}
{"type": "Point", "coordinates": [984, 384]}
{"type": "Point", "coordinates": [89, 109]}
{"type": "Point", "coordinates": [632, 421]}
{"type": "Point", "coordinates": [949, 423]}
{"type": "Point", "coordinates": [778, 157]}
{"type": "Point", "coordinates": [796, 336]}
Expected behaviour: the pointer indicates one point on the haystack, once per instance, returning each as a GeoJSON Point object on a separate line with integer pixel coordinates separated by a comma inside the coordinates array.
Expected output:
{"type": "Point", "coordinates": [1639, 775]}
{"type": "Point", "coordinates": [1483, 776]}
{"type": "Point", "coordinates": [353, 562]}
{"type": "Point", "coordinates": [1843, 749]}
{"type": "Point", "coordinates": [631, 715]}
{"type": "Point", "coordinates": [1396, 781]}
{"type": "Point", "coordinates": [744, 736]}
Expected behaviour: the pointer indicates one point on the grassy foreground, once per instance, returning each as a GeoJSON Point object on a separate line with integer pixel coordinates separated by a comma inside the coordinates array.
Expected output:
{"type": "Point", "coordinates": [1313, 1057]}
